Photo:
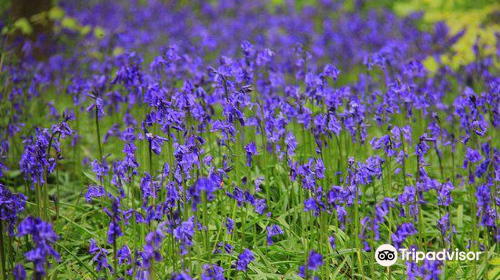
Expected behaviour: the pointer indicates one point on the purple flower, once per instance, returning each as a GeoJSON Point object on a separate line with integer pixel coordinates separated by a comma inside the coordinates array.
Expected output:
{"type": "Point", "coordinates": [314, 261]}
{"type": "Point", "coordinates": [331, 240]}
{"type": "Point", "coordinates": [229, 225]}
{"type": "Point", "coordinates": [291, 143]}
{"type": "Point", "coordinates": [94, 191]}
{"type": "Point", "coordinates": [35, 161]}
{"type": "Point", "coordinates": [311, 205]}
{"type": "Point", "coordinates": [184, 233]}
{"type": "Point", "coordinates": [100, 256]}
{"type": "Point", "coordinates": [330, 71]}
{"type": "Point", "coordinates": [114, 229]}
{"type": "Point", "coordinates": [444, 194]}
{"type": "Point", "coordinates": [19, 272]}
{"type": "Point", "coordinates": [320, 169]}
{"type": "Point", "coordinates": [258, 183]}
{"type": "Point", "coordinates": [403, 231]}
{"type": "Point", "coordinates": [151, 253]}
{"type": "Point", "coordinates": [244, 259]}
{"type": "Point", "coordinates": [97, 104]}
{"type": "Point", "coordinates": [124, 255]}
{"type": "Point", "coordinates": [148, 187]}
{"type": "Point", "coordinates": [227, 247]}
{"type": "Point", "coordinates": [100, 169]}
{"type": "Point", "coordinates": [381, 212]}
{"type": "Point", "coordinates": [444, 226]}
{"type": "Point", "coordinates": [334, 125]}
{"type": "Point", "coordinates": [485, 206]}
{"type": "Point", "coordinates": [212, 272]}
{"type": "Point", "coordinates": [152, 248]}
{"type": "Point", "coordinates": [273, 231]}
{"type": "Point", "coordinates": [428, 270]}
{"type": "Point", "coordinates": [250, 150]}
{"type": "Point", "coordinates": [155, 142]}
{"type": "Point", "coordinates": [181, 276]}
{"type": "Point", "coordinates": [11, 205]}
{"type": "Point", "coordinates": [471, 156]}
{"type": "Point", "coordinates": [260, 205]}
{"type": "Point", "coordinates": [203, 184]}
{"type": "Point", "coordinates": [43, 236]}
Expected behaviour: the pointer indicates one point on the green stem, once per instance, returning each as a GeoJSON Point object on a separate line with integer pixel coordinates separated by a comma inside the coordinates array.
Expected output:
{"type": "Point", "coordinates": [2, 253]}
{"type": "Point", "coordinates": [98, 135]}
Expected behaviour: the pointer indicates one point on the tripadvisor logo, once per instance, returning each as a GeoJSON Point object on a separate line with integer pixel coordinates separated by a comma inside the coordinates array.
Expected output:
{"type": "Point", "coordinates": [387, 255]}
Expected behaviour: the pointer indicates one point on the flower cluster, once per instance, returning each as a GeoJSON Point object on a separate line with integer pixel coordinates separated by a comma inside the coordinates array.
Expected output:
{"type": "Point", "coordinates": [211, 139]}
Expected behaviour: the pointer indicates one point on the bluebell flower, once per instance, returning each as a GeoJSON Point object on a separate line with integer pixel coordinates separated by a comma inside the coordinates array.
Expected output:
{"type": "Point", "coordinates": [273, 230]}
{"type": "Point", "coordinates": [212, 272]}
{"type": "Point", "coordinates": [202, 184]}
{"type": "Point", "coordinates": [19, 272]}
{"type": "Point", "coordinates": [184, 234]}
{"type": "Point", "coordinates": [155, 142]}
{"type": "Point", "coordinates": [471, 156]}
{"type": "Point", "coordinates": [229, 225]}
{"type": "Point", "coordinates": [250, 150]}
{"type": "Point", "coordinates": [94, 191]}
{"type": "Point", "coordinates": [444, 194]}
{"type": "Point", "coordinates": [43, 237]}
{"type": "Point", "coordinates": [124, 255]}
{"type": "Point", "coordinates": [181, 276]}
{"type": "Point", "coordinates": [314, 261]}
{"type": "Point", "coordinates": [35, 160]}
{"type": "Point", "coordinates": [115, 215]}
{"type": "Point", "coordinates": [291, 143]}
{"type": "Point", "coordinates": [100, 256]}
{"type": "Point", "coordinates": [260, 205]}
{"type": "Point", "coordinates": [331, 240]}
{"type": "Point", "coordinates": [98, 103]}
{"type": "Point", "coordinates": [330, 71]}
{"type": "Point", "coordinates": [11, 204]}
{"type": "Point", "coordinates": [402, 232]}
{"type": "Point", "coordinates": [245, 258]}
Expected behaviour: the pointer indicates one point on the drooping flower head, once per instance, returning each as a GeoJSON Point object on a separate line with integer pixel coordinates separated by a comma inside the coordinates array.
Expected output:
{"type": "Point", "coordinates": [273, 230]}
{"type": "Point", "coordinates": [245, 258]}
{"type": "Point", "coordinates": [19, 272]}
{"type": "Point", "coordinates": [184, 234]}
{"type": "Point", "coordinates": [212, 272]}
{"type": "Point", "coordinates": [314, 261]}
{"type": "Point", "coordinates": [11, 204]}
{"type": "Point", "coordinates": [43, 237]}
{"type": "Point", "coordinates": [250, 150]}
{"type": "Point", "coordinates": [202, 185]}
{"type": "Point", "coordinates": [100, 256]}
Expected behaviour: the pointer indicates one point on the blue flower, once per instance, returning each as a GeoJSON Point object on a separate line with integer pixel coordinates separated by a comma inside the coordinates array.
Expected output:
{"type": "Point", "coordinates": [184, 233]}
{"type": "Point", "coordinates": [244, 259]}
{"type": "Point", "coordinates": [43, 236]}
{"type": "Point", "coordinates": [229, 225]}
{"type": "Point", "coordinates": [314, 261]}
{"type": "Point", "coordinates": [212, 272]}
{"type": "Point", "coordinates": [100, 256]}
{"type": "Point", "coordinates": [202, 184]}
{"type": "Point", "coordinates": [273, 230]}
{"type": "Point", "coordinates": [403, 231]}
{"type": "Point", "coordinates": [19, 272]}
{"type": "Point", "coordinates": [11, 205]}
{"type": "Point", "coordinates": [181, 276]}
{"type": "Point", "coordinates": [94, 191]}
{"type": "Point", "coordinates": [250, 150]}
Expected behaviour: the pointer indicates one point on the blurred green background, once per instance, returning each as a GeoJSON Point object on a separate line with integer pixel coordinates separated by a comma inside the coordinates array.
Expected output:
{"type": "Point", "coordinates": [480, 19]}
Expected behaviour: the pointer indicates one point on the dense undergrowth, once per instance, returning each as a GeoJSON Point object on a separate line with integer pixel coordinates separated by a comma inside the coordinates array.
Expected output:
{"type": "Point", "coordinates": [242, 141]}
